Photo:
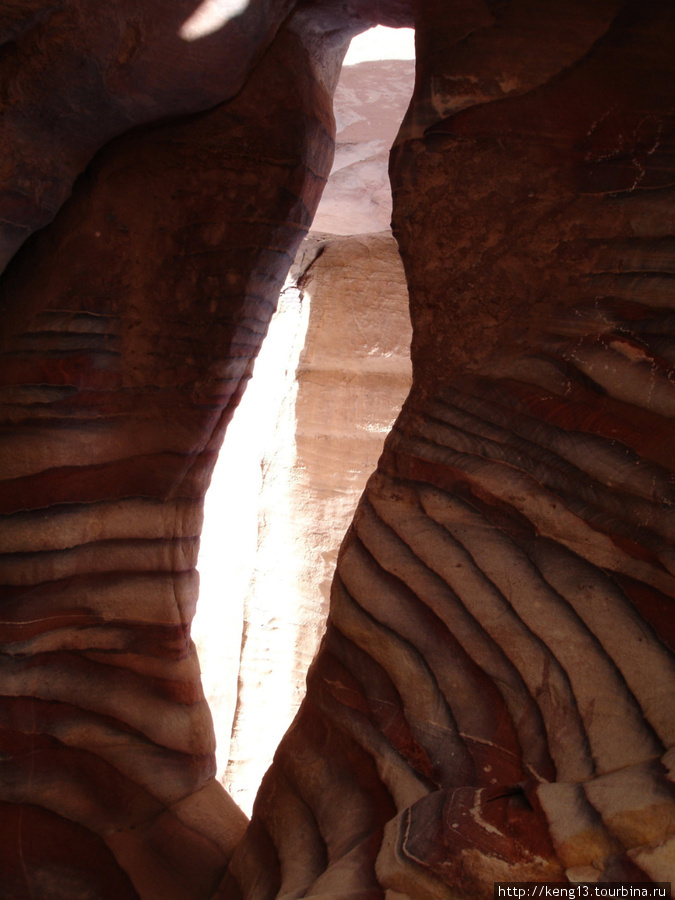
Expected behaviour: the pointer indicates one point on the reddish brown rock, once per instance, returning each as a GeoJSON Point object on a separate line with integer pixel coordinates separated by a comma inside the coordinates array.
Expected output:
{"type": "Point", "coordinates": [482, 590]}
{"type": "Point", "coordinates": [493, 698]}
{"type": "Point", "coordinates": [120, 403]}
{"type": "Point", "coordinates": [76, 75]}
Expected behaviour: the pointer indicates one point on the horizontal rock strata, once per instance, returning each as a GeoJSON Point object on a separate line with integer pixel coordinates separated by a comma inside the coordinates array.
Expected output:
{"type": "Point", "coordinates": [128, 337]}
{"type": "Point", "coordinates": [493, 697]}
{"type": "Point", "coordinates": [495, 691]}
{"type": "Point", "coordinates": [352, 378]}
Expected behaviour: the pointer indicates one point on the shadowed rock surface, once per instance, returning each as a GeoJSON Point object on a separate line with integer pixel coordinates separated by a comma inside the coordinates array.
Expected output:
{"type": "Point", "coordinates": [493, 697]}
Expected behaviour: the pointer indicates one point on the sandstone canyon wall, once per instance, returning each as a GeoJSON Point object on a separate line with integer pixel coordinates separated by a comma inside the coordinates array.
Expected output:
{"type": "Point", "coordinates": [353, 374]}
{"type": "Point", "coordinates": [329, 381]}
{"type": "Point", "coordinates": [109, 783]}
{"type": "Point", "coordinates": [493, 696]}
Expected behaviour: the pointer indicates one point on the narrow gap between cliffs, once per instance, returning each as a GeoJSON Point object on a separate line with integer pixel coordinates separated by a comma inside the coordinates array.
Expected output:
{"type": "Point", "coordinates": [308, 431]}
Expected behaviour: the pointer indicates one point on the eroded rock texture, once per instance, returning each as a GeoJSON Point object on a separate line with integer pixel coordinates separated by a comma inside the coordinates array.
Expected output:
{"type": "Point", "coordinates": [493, 696]}
{"type": "Point", "coordinates": [129, 329]}
{"type": "Point", "coordinates": [352, 378]}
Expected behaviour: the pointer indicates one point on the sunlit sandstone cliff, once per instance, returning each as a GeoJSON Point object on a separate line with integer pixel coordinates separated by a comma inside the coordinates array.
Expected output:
{"type": "Point", "coordinates": [352, 378]}
{"type": "Point", "coordinates": [329, 382]}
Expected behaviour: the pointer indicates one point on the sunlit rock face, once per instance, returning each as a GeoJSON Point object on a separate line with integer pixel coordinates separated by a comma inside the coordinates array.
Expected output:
{"type": "Point", "coordinates": [329, 382]}
{"type": "Point", "coordinates": [353, 374]}
{"type": "Point", "coordinates": [370, 102]}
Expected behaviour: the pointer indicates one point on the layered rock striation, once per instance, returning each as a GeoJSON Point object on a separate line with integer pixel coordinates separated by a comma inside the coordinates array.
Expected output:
{"type": "Point", "coordinates": [493, 696]}
{"type": "Point", "coordinates": [129, 334]}
{"type": "Point", "coordinates": [352, 377]}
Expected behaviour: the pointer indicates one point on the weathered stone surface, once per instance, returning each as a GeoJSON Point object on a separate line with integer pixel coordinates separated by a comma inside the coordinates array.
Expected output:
{"type": "Point", "coordinates": [493, 697]}
{"type": "Point", "coordinates": [370, 102]}
{"type": "Point", "coordinates": [352, 378]}
{"type": "Point", "coordinates": [497, 658]}
{"type": "Point", "coordinates": [129, 330]}
{"type": "Point", "coordinates": [77, 74]}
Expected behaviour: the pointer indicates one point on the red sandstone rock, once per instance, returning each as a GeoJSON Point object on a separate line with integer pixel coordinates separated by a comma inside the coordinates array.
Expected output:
{"type": "Point", "coordinates": [494, 694]}
{"type": "Point", "coordinates": [103, 704]}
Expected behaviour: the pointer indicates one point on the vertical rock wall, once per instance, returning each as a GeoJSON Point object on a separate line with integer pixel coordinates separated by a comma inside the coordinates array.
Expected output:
{"type": "Point", "coordinates": [352, 378]}
{"type": "Point", "coordinates": [128, 337]}
{"type": "Point", "coordinates": [493, 697]}
{"type": "Point", "coordinates": [303, 443]}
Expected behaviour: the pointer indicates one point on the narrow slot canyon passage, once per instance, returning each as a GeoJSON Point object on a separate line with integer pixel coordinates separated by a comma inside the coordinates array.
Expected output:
{"type": "Point", "coordinates": [493, 695]}
{"type": "Point", "coordinates": [328, 383]}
